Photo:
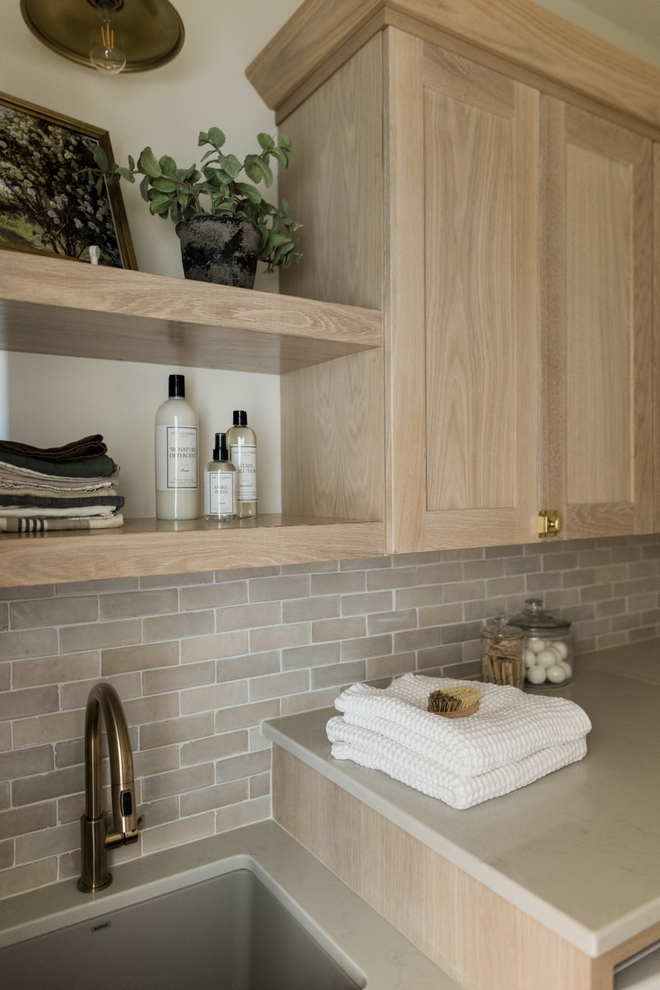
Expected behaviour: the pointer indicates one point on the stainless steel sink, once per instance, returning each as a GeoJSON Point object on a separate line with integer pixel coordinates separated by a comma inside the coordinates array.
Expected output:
{"type": "Point", "coordinates": [228, 933]}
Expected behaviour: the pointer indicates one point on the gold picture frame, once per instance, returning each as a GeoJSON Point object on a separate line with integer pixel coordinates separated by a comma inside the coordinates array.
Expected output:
{"type": "Point", "coordinates": [47, 206]}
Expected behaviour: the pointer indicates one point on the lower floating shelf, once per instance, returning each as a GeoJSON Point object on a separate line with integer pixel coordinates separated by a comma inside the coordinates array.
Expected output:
{"type": "Point", "coordinates": [150, 546]}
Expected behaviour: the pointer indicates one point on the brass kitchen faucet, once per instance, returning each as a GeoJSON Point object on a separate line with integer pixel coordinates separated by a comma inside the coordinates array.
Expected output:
{"type": "Point", "coordinates": [95, 839]}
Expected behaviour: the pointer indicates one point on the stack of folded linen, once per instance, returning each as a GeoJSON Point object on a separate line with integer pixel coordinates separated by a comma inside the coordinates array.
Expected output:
{"type": "Point", "coordinates": [512, 740]}
{"type": "Point", "coordinates": [69, 487]}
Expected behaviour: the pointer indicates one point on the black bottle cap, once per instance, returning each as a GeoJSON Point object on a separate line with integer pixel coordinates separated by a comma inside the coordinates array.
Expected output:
{"type": "Point", "coordinates": [220, 450]}
{"type": "Point", "coordinates": [177, 386]}
{"type": "Point", "coordinates": [240, 417]}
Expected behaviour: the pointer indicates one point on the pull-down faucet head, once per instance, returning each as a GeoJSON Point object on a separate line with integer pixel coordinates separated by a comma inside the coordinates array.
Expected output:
{"type": "Point", "coordinates": [104, 706]}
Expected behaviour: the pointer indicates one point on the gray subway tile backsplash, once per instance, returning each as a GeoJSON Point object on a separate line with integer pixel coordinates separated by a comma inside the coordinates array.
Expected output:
{"type": "Point", "coordinates": [200, 660]}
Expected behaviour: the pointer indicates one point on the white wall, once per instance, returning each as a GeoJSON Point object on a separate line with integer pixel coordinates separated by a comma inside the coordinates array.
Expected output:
{"type": "Point", "coordinates": [46, 400]}
{"type": "Point", "coordinates": [165, 108]}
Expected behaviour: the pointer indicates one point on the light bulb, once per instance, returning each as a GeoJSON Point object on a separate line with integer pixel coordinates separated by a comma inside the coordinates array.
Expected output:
{"type": "Point", "coordinates": [106, 53]}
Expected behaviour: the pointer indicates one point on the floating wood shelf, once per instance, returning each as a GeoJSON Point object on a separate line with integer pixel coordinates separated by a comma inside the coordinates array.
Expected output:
{"type": "Point", "coordinates": [148, 546]}
{"type": "Point", "coordinates": [55, 306]}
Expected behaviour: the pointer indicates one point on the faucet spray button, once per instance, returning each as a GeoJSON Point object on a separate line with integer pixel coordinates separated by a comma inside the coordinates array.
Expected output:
{"type": "Point", "coordinates": [126, 804]}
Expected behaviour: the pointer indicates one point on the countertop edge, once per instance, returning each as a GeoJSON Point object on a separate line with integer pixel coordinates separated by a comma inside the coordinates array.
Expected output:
{"type": "Point", "coordinates": [587, 941]}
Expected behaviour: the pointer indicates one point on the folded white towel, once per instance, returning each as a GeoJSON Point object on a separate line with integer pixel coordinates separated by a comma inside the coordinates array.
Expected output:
{"type": "Point", "coordinates": [368, 749]}
{"type": "Point", "coordinates": [509, 725]}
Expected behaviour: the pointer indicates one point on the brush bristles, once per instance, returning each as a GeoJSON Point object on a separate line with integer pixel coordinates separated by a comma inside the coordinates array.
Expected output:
{"type": "Point", "coordinates": [453, 699]}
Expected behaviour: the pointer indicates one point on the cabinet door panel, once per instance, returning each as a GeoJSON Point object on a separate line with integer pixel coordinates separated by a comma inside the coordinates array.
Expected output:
{"type": "Point", "coordinates": [470, 336]}
{"type": "Point", "coordinates": [597, 344]}
{"type": "Point", "coordinates": [481, 267]}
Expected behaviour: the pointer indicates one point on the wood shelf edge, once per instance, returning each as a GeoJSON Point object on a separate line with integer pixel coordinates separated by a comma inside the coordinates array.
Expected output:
{"type": "Point", "coordinates": [144, 547]}
{"type": "Point", "coordinates": [27, 280]}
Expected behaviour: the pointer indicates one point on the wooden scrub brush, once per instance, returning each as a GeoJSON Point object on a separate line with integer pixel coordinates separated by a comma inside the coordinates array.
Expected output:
{"type": "Point", "coordinates": [454, 702]}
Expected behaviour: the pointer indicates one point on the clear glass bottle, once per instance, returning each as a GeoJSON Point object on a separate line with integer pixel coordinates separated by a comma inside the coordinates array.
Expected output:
{"type": "Point", "coordinates": [242, 444]}
{"type": "Point", "coordinates": [547, 647]}
{"type": "Point", "coordinates": [177, 491]}
{"type": "Point", "coordinates": [502, 653]}
{"type": "Point", "coordinates": [220, 483]}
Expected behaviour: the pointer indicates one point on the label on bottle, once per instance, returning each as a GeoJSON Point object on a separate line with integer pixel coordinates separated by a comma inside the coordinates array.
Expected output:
{"type": "Point", "coordinates": [220, 493]}
{"type": "Point", "coordinates": [244, 456]}
{"type": "Point", "coordinates": [176, 457]}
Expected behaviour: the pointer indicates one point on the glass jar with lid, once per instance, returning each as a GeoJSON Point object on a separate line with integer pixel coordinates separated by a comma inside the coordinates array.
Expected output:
{"type": "Point", "coordinates": [502, 653]}
{"type": "Point", "coordinates": [547, 646]}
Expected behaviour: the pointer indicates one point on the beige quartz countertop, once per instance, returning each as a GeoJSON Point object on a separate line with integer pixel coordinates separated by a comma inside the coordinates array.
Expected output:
{"type": "Point", "coordinates": [579, 850]}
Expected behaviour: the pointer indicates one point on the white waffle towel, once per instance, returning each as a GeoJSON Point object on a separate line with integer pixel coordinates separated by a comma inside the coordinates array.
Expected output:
{"type": "Point", "coordinates": [508, 727]}
{"type": "Point", "coordinates": [368, 749]}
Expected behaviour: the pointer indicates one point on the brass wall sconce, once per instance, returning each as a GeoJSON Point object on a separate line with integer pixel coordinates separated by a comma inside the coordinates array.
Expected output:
{"type": "Point", "coordinates": [109, 35]}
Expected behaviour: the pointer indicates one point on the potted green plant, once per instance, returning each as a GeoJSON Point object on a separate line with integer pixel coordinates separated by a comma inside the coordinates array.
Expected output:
{"type": "Point", "coordinates": [224, 225]}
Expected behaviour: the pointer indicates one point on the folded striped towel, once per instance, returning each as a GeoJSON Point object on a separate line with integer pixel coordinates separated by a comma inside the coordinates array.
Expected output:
{"type": "Point", "coordinates": [509, 725]}
{"type": "Point", "coordinates": [11, 474]}
{"type": "Point", "coordinates": [369, 749]}
{"type": "Point", "coordinates": [37, 524]}
{"type": "Point", "coordinates": [57, 505]}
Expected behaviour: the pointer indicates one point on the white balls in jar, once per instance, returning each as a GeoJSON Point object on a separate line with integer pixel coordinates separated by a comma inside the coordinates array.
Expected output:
{"type": "Point", "coordinates": [529, 657]}
{"type": "Point", "coordinates": [536, 674]}
{"type": "Point", "coordinates": [560, 648]}
{"type": "Point", "coordinates": [546, 660]}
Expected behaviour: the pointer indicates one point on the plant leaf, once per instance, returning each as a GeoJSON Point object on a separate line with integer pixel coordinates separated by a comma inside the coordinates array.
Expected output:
{"type": "Point", "coordinates": [216, 137]}
{"type": "Point", "coordinates": [280, 156]}
{"type": "Point", "coordinates": [125, 173]}
{"type": "Point", "coordinates": [267, 174]}
{"type": "Point", "coordinates": [148, 164]}
{"type": "Point", "coordinates": [167, 165]}
{"type": "Point", "coordinates": [247, 190]}
{"type": "Point", "coordinates": [232, 165]}
{"type": "Point", "coordinates": [265, 141]}
{"type": "Point", "coordinates": [131, 163]}
{"type": "Point", "coordinates": [159, 201]}
{"type": "Point", "coordinates": [144, 188]}
{"type": "Point", "coordinates": [101, 158]}
{"type": "Point", "coordinates": [164, 185]}
{"type": "Point", "coordinates": [253, 171]}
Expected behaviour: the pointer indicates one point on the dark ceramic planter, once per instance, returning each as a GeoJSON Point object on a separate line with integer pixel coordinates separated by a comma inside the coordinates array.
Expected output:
{"type": "Point", "coordinates": [223, 250]}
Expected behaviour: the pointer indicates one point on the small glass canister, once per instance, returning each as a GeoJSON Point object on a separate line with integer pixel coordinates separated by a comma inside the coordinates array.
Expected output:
{"type": "Point", "coordinates": [547, 647]}
{"type": "Point", "coordinates": [502, 653]}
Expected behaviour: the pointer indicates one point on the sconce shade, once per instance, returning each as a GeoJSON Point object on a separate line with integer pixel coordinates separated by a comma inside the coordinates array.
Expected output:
{"type": "Point", "coordinates": [152, 30]}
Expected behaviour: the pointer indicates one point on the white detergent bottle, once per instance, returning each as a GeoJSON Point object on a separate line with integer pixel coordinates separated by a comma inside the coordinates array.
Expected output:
{"type": "Point", "coordinates": [177, 494]}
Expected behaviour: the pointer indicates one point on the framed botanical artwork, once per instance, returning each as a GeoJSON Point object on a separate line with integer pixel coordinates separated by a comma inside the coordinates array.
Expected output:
{"type": "Point", "coordinates": [46, 203]}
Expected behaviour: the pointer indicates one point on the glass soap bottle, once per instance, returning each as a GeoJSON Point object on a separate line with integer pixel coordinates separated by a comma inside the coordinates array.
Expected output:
{"type": "Point", "coordinates": [242, 444]}
{"type": "Point", "coordinates": [502, 653]}
{"type": "Point", "coordinates": [547, 647]}
{"type": "Point", "coordinates": [220, 483]}
{"type": "Point", "coordinates": [177, 493]}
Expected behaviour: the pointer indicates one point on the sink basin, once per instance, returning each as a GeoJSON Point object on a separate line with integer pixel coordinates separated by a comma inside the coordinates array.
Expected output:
{"type": "Point", "coordinates": [227, 933]}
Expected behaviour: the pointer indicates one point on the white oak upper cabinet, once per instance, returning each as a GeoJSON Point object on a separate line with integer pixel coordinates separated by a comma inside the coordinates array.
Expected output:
{"type": "Point", "coordinates": [597, 322]}
{"type": "Point", "coordinates": [488, 182]}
